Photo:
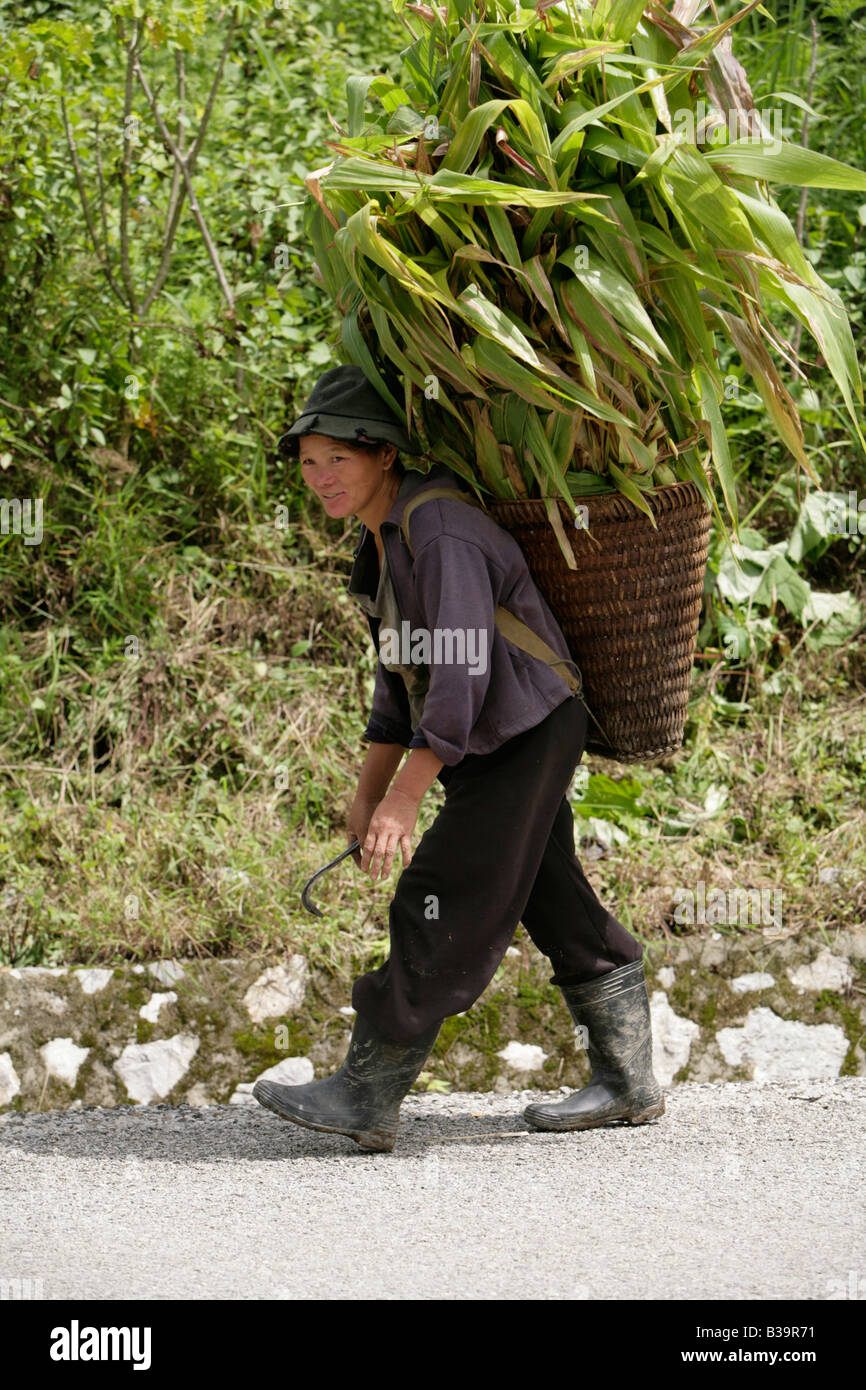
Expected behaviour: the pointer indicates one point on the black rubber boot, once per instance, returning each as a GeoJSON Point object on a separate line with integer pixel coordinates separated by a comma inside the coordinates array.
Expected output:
{"type": "Point", "coordinates": [362, 1099]}
{"type": "Point", "coordinates": [615, 1011]}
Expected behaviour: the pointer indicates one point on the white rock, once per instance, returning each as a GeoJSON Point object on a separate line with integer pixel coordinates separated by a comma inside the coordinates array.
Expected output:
{"type": "Point", "coordinates": [150, 1010]}
{"type": "Point", "coordinates": [94, 980]}
{"type": "Point", "coordinates": [243, 1095]}
{"type": "Point", "coordinates": [199, 1095]}
{"type": "Point", "coordinates": [62, 1058]}
{"type": "Point", "coordinates": [150, 1070]}
{"type": "Point", "coordinates": [46, 970]}
{"type": "Point", "coordinates": [54, 1003]}
{"type": "Point", "coordinates": [666, 977]}
{"type": "Point", "coordinates": [10, 1085]}
{"type": "Point", "coordinates": [826, 971]}
{"type": "Point", "coordinates": [672, 1038]}
{"type": "Point", "coordinates": [291, 1071]}
{"type": "Point", "coordinates": [746, 984]}
{"type": "Point", "coordinates": [166, 972]}
{"type": "Point", "coordinates": [523, 1056]}
{"type": "Point", "coordinates": [278, 990]}
{"type": "Point", "coordinates": [347, 1010]}
{"type": "Point", "coordinates": [513, 951]}
{"type": "Point", "coordinates": [781, 1049]}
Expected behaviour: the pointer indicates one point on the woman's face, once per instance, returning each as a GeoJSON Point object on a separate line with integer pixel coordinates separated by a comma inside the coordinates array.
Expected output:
{"type": "Point", "coordinates": [348, 481]}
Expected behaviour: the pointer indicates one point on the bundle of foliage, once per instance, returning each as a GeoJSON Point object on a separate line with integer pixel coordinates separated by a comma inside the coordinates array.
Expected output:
{"type": "Point", "coordinates": [550, 226]}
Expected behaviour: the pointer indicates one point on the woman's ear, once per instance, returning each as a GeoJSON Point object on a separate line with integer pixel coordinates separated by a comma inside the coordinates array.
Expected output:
{"type": "Point", "coordinates": [389, 455]}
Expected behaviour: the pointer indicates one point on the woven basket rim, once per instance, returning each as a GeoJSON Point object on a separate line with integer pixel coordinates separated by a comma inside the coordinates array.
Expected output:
{"type": "Point", "coordinates": [659, 499]}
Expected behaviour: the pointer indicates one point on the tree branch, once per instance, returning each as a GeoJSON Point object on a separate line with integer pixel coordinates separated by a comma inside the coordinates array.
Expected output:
{"type": "Point", "coordinates": [125, 269]}
{"type": "Point", "coordinates": [102, 256]}
{"type": "Point", "coordinates": [102, 213]}
{"type": "Point", "coordinates": [202, 130]}
{"type": "Point", "coordinates": [177, 194]}
{"type": "Point", "coordinates": [186, 162]}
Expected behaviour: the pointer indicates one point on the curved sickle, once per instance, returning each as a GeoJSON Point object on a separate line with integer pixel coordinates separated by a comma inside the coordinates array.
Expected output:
{"type": "Point", "coordinates": [305, 898]}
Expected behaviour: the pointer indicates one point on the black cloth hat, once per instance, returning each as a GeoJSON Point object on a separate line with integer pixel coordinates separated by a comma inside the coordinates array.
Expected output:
{"type": "Point", "coordinates": [343, 405]}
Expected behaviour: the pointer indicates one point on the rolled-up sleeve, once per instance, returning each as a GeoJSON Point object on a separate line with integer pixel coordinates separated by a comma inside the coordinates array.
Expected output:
{"type": "Point", "coordinates": [389, 716]}
{"type": "Point", "coordinates": [457, 589]}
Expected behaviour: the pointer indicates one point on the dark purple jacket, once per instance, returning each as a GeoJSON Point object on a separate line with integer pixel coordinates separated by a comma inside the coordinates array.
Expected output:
{"type": "Point", "coordinates": [464, 566]}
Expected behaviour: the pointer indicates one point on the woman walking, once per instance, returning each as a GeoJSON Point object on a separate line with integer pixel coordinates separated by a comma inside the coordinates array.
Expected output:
{"type": "Point", "coordinates": [475, 679]}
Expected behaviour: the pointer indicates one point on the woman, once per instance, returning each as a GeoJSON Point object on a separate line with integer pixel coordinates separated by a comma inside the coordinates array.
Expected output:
{"type": "Point", "coordinates": [495, 718]}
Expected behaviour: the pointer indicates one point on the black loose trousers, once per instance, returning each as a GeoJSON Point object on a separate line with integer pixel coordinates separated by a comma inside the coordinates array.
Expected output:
{"type": "Point", "coordinates": [500, 851]}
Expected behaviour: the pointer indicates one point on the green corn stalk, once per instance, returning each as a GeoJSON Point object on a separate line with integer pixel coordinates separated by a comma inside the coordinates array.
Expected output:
{"type": "Point", "coordinates": [540, 235]}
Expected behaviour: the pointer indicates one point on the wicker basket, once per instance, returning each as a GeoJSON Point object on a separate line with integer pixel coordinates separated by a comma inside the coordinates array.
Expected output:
{"type": "Point", "coordinates": [630, 610]}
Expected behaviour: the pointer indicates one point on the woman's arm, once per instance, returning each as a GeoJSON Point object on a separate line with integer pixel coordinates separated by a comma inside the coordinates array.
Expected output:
{"type": "Point", "coordinates": [378, 768]}
{"type": "Point", "coordinates": [394, 818]}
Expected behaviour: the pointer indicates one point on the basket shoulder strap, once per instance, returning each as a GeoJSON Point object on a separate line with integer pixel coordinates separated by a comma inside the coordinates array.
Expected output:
{"type": "Point", "coordinates": [522, 636]}
{"type": "Point", "coordinates": [511, 627]}
{"type": "Point", "coordinates": [428, 496]}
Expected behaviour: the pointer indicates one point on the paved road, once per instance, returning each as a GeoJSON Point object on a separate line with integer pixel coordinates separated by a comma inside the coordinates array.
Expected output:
{"type": "Point", "coordinates": [739, 1191]}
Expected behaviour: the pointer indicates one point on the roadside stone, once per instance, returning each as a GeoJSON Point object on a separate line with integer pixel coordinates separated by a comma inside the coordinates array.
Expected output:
{"type": "Point", "coordinates": [291, 1071]}
{"type": "Point", "coordinates": [167, 972]}
{"type": "Point", "coordinates": [687, 951]}
{"type": "Point", "coordinates": [666, 977]}
{"type": "Point", "coordinates": [523, 1056]}
{"type": "Point", "coordinates": [93, 981]}
{"type": "Point", "coordinates": [150, 1070]}
{"type": "Point", "coordinates": [748, 984]}
{"type": "Point", "coordinates": [10, 1083]}
{"type": "Point", "coordinates": [855, 942]}
{"type": "Point", "coordinates": [714, 952]}
{"type": "Point", "coordinates": [672, 1038]}
{"type": "Point", "coordinates": [279, 990]}
{"type": "Point", "coordinates": [63, 1059]}
{"type": "Point", "coordinates": [150, 1011]}
{"type": "Point", "coordinates": [53, 1003]}
{"type": "Point", "coordinates": [779, 1049]}
{"type": "Point", "coordinates": [199, 1095]}
{"type": "Point", "coordinates": [826, 971]}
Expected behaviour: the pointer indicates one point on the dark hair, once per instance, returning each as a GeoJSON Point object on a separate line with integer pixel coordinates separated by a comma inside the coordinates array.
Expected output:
{"type": "Point", "coordinates": [369, 446]}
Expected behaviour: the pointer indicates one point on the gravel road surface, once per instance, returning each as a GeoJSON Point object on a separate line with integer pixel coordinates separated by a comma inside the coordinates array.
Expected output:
{"type": "Point", "coordinates": [741, 1190]}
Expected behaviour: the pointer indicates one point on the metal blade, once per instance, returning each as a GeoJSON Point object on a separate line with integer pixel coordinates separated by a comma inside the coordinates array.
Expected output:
{"type": "Point", "coordinates": [305, 898]}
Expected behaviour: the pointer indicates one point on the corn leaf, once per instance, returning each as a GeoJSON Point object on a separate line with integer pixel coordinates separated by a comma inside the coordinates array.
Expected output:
{"type": "Point", "coordinates": [611, 289]}
{"type": "Point", "coordinates": [629, 489]}
{"type": "Point", "coordinates": [791, 164]}
{"type": "Point", "coordinates": [483, 314]}
{"type": "Point", "coordinates": [721, 452]}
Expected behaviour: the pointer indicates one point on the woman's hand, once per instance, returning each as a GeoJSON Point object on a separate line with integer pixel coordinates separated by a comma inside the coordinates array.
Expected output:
{"type": "Point", "coordinates": [391, 825]}
{"type": "Point", "coordinates": [380, 764]}
{"type": "Point", "coordinates": [358, 823]}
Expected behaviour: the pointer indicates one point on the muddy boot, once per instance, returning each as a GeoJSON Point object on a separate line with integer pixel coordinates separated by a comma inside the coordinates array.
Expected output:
{"type": "Point", "coordinates": [362, 1099]}
{"type": "Point", "coordinates": [614, 1009]}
